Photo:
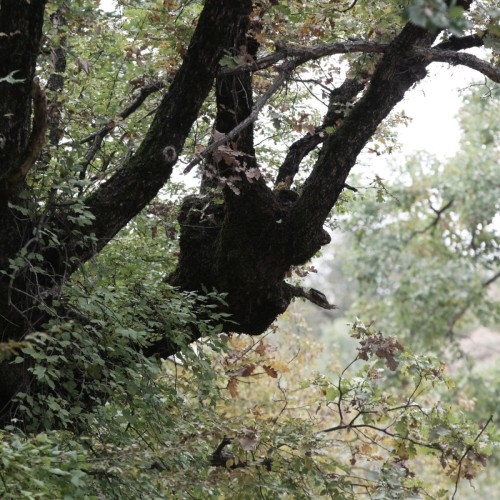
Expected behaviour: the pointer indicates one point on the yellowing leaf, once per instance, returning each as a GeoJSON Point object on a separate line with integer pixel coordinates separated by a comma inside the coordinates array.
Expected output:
{"type": "Point", "coordinates": [279, 366]}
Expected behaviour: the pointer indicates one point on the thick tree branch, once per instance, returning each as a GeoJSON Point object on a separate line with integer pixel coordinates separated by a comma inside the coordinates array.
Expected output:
{"type": "Point", "coordinates": [305, 54]}
{"type": "Point", "coordinates": [462, 58]}
{"type": "Point", "coordinates": [128, 191]}
{"type": "Point", "coordinates": [284, 51]}
{"type": "Point", "coordinates": [339, 98]}
{"type": "Point", "coordinates": [460, 43]}
{"type": "Point", "coordinates": [397, 71]}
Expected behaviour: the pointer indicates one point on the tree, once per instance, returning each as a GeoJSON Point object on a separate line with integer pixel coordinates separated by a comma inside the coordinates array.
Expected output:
{"type": "Point", "coordinates": [435, 224]}
{"type": "Point", "coordinates": [61, 205]}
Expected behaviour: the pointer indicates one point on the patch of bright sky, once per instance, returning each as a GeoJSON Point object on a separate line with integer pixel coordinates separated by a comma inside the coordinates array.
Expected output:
{"type": "Point", "coordinates": [433, 106]}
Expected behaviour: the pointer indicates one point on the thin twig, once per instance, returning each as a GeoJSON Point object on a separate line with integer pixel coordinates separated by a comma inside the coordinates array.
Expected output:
{"type": "Point", "coordinates": [285, 71]}
{"type": "Point", "coordinates": [434, 221]}
{"type": "Point", "coordinates": [469, 448]}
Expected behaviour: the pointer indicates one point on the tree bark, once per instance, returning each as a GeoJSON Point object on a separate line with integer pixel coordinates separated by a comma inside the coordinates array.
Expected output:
{"type": "Point", "coordinates": [114, 203]}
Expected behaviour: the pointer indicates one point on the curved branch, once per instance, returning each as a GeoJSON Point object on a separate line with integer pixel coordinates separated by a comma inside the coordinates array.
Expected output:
{"type": "Point", "coordinates": [306, 54]}
{"type": "Point", "coordinates": [396, 73]}
{"type": "Point", "coordinates": [134, 185]}
{"type": "Point", "coordinates": [302, 147]}
{"type": "Point", "coordinates": [347, 9]}
{"type": "Point", "coordinates": [462, 58]}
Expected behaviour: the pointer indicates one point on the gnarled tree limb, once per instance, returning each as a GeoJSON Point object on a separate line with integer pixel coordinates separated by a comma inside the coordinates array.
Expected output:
{"type": "Point", "coordinates": [462, 58]}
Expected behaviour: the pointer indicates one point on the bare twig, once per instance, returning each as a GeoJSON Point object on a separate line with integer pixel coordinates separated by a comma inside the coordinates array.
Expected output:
{"type": "Point", "coordinates": [144, 92]}
{"type": "Point", "coordinates": [467, 450]}
{"type": "Point", "coordinates": [383, 430]}
{"type": "Point", "coordinates": [98, 136]}
{"type": "Point", "coordinates": [491, 280]}
{"type": "Point", "coordinates": [347, 9]}
{"type": "Point", "coordinates": [439, 212]}
{"type": "Point", "coordinates": [285, 71]}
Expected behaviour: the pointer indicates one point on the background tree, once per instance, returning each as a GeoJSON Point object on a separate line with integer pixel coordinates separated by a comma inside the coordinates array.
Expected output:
{"type": "Point", "coordinates": [425, 246]}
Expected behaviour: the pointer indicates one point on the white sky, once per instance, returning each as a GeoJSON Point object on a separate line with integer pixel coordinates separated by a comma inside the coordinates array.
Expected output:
{"type": "Point", "coordinates": [433, 106]}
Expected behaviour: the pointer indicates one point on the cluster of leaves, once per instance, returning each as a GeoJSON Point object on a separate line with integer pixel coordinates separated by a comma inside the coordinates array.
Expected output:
{"type": "Point", "coordinates": [438, 14]}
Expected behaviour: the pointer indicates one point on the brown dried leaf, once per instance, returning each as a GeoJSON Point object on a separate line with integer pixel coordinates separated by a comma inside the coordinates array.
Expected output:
{"type": "Point", "coordinates": [246, 371]}
{"type": "Point", "coordinates": [382, 347]}
{"type": "Point", "coordinates": [232, 386]}
{"type": "Point", "coordinates": [261, 349]}
{"type": "Point", "coordinates": [270, 371]}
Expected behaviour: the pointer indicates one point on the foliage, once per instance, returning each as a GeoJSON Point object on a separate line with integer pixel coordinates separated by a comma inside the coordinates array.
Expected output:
{"type": "Point", "coordinates": [114, 399]}
{"type": "Point", "coordinates": [426, 244]}
{"type": "Point", "coordinates": [367, 430]}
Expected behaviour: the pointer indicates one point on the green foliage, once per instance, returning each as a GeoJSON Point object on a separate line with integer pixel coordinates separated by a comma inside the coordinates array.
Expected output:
{"type": "Point", "coordinates": [438, 14]}
{"type": "Point", "coordinates": [42, 466]}
{"type": "Point", "coordinates": [281, 430]}
{"type": "Point", "coordinates": [426, 255]}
